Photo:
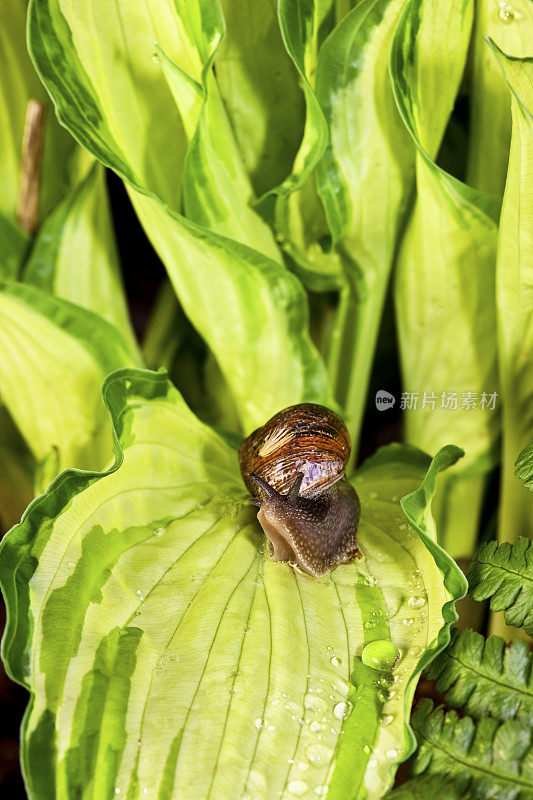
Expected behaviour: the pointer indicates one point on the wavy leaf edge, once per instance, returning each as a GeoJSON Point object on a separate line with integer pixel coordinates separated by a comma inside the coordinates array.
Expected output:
{"type": "Point", "coordinates": [73, 481]}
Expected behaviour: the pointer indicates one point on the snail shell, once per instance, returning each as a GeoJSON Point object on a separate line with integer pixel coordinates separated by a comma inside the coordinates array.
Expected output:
{"type": "Point", "coordinates": [294, 467]}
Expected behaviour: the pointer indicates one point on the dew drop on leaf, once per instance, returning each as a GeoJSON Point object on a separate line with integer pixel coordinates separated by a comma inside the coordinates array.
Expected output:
{"type": "Point", "coordinates": [506, 13]}
{"type": "Point", "coordinates": [336, 661]}
{"type": "Point", "coordinates": [408, 622]}
{"type": "Point", "coordinates": [381, 654]}
{"type": "Point", "coordinates": [297, 788]}
{"type": "Point", "coordinates": [416, 601]}
{"type": "Point", "coordinates": [342, 710]}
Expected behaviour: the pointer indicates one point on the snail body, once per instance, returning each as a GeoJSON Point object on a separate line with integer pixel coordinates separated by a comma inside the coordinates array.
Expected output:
{"type": "Point", "coordinates": [294, 468]}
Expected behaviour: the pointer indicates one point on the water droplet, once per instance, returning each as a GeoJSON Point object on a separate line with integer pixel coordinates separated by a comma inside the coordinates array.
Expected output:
{"type": "Point", "coordinates": [297, 788]}
{"type": "Point", "coordinates": [414, 652]}
{"type": "Point", "coordinates": [367, 749]}
{"type": "Point", "coordinates": [381, 654]}
{"type": "Point", "coordinates": [155, 57]}
{"type": "Point", "coordinates": [127, 383]}
{"type": "Point", "coordinates": [369, 624]}
{"type": "Point", "coordinates": [408, 622]}
{"type": "Point", "coordinates": [139, 594]}
{"type": "Point", "coordinates": [392, 753]}
{"type": "Point", "coordinates": [402, 526]}
{"type": "Point", "coordinates": [506, 13]}
{"type": "Point", "coordinates": [336, 661]}
{"type": "Point", "coordinates": [159, 531]}
{"type": "Point", "coordinates": [302, 766]}
{"type": "Point", "coordinates": [271, 728]}
{"type": "Point", "coordinates": [317, 754]}
{"type": "Point", "coordinates": [343, 709]}
{"type": "Point", "coordinates": [372, 762]}
{"type": "Point", "coordinates": [315, 726]}
{"type": "Point", "coordinates": [383, 695]}
{"type": "Point", "coordinates": [139, 742]}
{"type": "Point", "coordinates": [385, 719]}
{"type": "Point", "coordinates": [70, 564]}
{"type": "Point", "coordinates": [416, 601]}
{"type": "Point", "coordinates": [258, 723]}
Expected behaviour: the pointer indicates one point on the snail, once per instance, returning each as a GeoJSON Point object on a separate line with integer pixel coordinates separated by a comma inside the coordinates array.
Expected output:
{"type": "Point", "coordinates": [294, 468]}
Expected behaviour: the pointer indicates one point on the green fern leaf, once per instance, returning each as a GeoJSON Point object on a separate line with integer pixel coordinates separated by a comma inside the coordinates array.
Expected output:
{"type": "Point", "coordinates": [479, 759]}
{"type": "Point", "coordinates": [505, 574]}
{"type": "Point", "coordinates": [428, 787]}
{"type": "Point", "coordinates": [486, 676]}
{"type": "Point", "coordinates": [524, 466]}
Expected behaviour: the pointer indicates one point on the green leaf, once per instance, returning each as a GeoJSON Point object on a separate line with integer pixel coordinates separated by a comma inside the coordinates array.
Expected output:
{"type": "Point", "coordinates": [514, 296]}
{"type": "Point", "coordinates": [250, 310]}
{"type": "Point", "coordinates": [438, 787]}
{"type": "Point", "coordinates": [486, 676]}
{"type": "Point", "coordinates": [479, 759]}
{"type": "Point", "coordinates": [353, 88]}
{"type": "Point", "coordinates": [510, 26]}
{"type": "Point", "coordinates": [445, 313]}
{"type": "Point", "coordinates": [14, 244]}
{"type": "Point", "coordinates": [505, 574]}
{"type": "Point", "coordinates": [524, 466]}
{"type": "Point", "coordinates": [266, 115]}
{"type": "Point", "coordinates": [216, 190]}
{"type": "Point", "coordinates": [61, 160]}
{"type": "Point", "coordinates": [53, 358]}
{"type": "Point", "coordinates": [75, 255]}
{"type": "Point", "coordinates": [143, 611]}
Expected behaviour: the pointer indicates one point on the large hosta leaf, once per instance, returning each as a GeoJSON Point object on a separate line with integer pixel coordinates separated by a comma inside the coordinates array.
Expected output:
{"type": "Point", "coordinates": [53, 358]}
{"type": "Point", "coordinates": [75, 255]}
{"type": "Point", "coordinates": [168, 656]}
{"type": "Point", "coordinates": [251, 312]}
{"type": "Point", "coordinates": [510, 26]}
{"type": "Point", "coordinates": [446, 313]}
{"type": "Point", "coordinates": [514, 295]}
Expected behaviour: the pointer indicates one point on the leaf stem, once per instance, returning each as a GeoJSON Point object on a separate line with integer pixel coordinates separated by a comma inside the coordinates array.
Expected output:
{"type": "Point", "coordinates": [32, 145]}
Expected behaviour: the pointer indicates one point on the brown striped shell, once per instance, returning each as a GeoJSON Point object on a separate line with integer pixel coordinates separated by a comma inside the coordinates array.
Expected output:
{"type": "Point", "coordinates": [305, 438]}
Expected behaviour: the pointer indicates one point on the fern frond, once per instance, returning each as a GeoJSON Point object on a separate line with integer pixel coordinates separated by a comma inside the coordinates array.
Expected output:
{"type": "Point", "coordinates": [478, 758]}
{"type": "Point", "coordinates": [428, 787]}
{"type": "Point", "coordinates": [524, 466]}
{"type": "Point", "coordinates": [486, 676]}
{"type": "Point", "coordinates": [505, 574]}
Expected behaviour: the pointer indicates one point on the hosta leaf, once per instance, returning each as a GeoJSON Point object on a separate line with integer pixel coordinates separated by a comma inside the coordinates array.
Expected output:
{"type": "Point", "coordinates": [510, 25]}
{"type": "Point", "coordinates": [505, 574]}
{"type": "Point", "coordinates": [514, 296]}
{"type": "Point", "coordinates": [143, 612]}
{"type": "Point", "coordinates": [445, 312]}
{"type": "Point", "coordinates": [478, 759]}
{"type": "Point", "coordinates": [14, 244]}
{"type": "Point", "coordinates": [75, 255]}
{"type": "Point", "coordinates": [353, 88]}
{"type": "Point", "coordinates": [266, 115]}
{"type": "Point", "coordinates": [486, 676]}
{"type": "Point", "coordinates": [250, 311]}
{"type": "Point", "coordinates": [53, 358]}
{"type": "Point", "coordinates": [216, 189]}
